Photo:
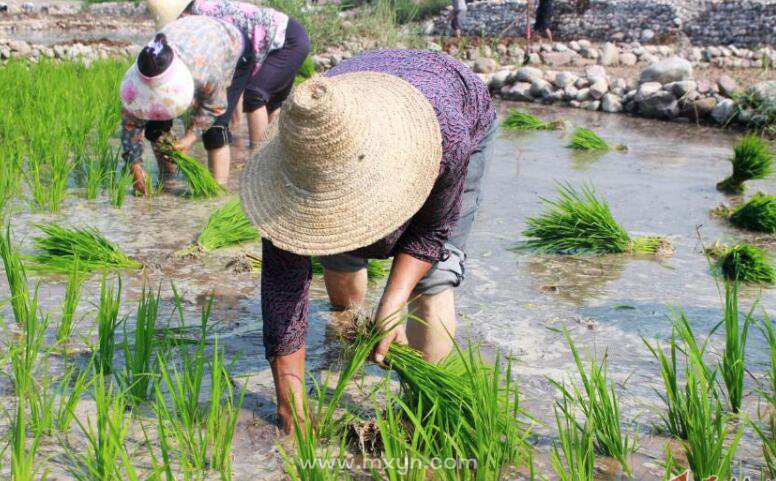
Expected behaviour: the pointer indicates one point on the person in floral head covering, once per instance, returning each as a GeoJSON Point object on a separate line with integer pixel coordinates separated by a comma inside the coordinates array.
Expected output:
{"type": "Point", "coordinates": [197, 65]}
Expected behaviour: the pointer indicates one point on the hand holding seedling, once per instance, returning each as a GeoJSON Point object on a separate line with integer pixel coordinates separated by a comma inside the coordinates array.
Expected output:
{"type": "Point", "coordinates": [140, 179]}
{"type": "Point", "coordinates": [186, 143]}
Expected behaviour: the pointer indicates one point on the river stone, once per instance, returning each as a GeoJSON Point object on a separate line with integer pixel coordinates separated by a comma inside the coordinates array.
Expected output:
{"type": "Point", "coordinates": [699, 109]}
{"type": "Point", "coordinates": [674, 69]}
{"type": "Point", "coordinates": [583, 94]}
{"type": "Point", "coordinates": [724, 111]}
{"type": "Point", "coordinates": [680, 89]}
{"type": "Point", "coordinates": [499, 79]}
{"type": "Point", "coordinates": [628, 59]}
{"type": "Point", "coordinates": [485, 65]}
{"type": "Point", "coordinates": [517, 91]}
{"type": "Point", "coordinates": [595, 71]}
{"type": "Point", "coordinates": [564, 79]}
{"type": "Point", "coordinates": [660, 105]}
{"type": "Point", "coordinates": [763, 93]}
{"type": "Point", "coordinates": [611, 104]}
{"type": "Point", "coordinates": [727, 85]}
{"type": "Point", "coordinates": [590, 52]}
{"type": "Point", "coordinates": [610, 54]}
{"type": "Point", "coordinates": [539, 87]}
{"type": "Point", "coordinates": [556, 58]}
{"type": "Point", "coordinates": [21, 47]}
{"type": "Point", "coordinates": [570, 92]}
{"type": "Point", "coordinates": [581, 83]}
{"type": "Point", "coordinates": [528, 74]}
{"type": "Point", "coordinates": [647, 35]}
{"type": "Point", "coordinates": [599, 88]}
{"type": "Point", "coordinates": [534, 58]}
{"type": "Point", "coordinates": [592, 105]}
{"type": "Point", "coordinates": [647, 89]}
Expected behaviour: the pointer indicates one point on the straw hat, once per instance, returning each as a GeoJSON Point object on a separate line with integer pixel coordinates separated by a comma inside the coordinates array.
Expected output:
{"type": "Point", "coordinates": [353, 158]}
{"type": "Point", "coordinates": [166, 11]}
{"type": "Point", "coordinates": [164, 97]}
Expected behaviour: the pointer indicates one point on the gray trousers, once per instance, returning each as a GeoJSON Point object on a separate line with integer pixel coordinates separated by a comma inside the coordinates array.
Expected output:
{"type": "Point", "coordinates": [450, 272]}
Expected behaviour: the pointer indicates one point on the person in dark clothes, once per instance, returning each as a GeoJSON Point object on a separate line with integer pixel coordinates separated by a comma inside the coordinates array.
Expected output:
{"type": "Point", "coordinates": [457, 17]}
{"type": "Point", "coordinates": [543, 20]}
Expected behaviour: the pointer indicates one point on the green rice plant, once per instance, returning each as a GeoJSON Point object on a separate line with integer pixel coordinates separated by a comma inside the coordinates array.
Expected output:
{"type": "Point", "coordinates": [119, 183]}
{"type": "Point", "coordinates": [105, 435]}
{"type": "Point", "coordinates": [586, 140]}
{"type": "Point", "coordinates": [519, 120]}
{"type": "Point", "coordinates": [752, 159]}
{"type": "Point", "coordinates": [72, 298]}
{"type": "Point", "coordinates": [201, 183]}
{"type": "Point", "coordinates": [71, 389]}
{"type": "Point", "coordinates": [306, 71]}
{"type": "Point", "coordinates": [42, 398]}
{"type": "Point", "coordinates": [226, 227]}
{"type": "Point", "coordinates": [16, 276]}
{"type": "Point", "coordinates": [376, 269]}
{"type": "Point", "coordinates": [24, 463]}
{"type": "Point", "coordinates": [139, 369]}
{"type": "Point", "coordinates": [581, 222]}
{"type": "Point", "coordinates": [768, 439]}
{"type": "Point", "coordinates": [223, 415]}
{"type": "Point", "coordinates": [600, 404]}
{"type": "Point", "coordinates": [758, 214]}
{"type": "Point", "coordinates": [92, 174]}
{"type": "Point", "coordinates": [707, 448]}
{"type": "Point", "coordinates": [770, 336]}
{"type": "Point", "coordinates": [107, 323]}
{"type": "Point", "coordinates": [572, 456]}
{"type": "Point", "coordinates": [743, 263]}
{"type": "Point", "coordinates": [61, 246]}
{"type": "Point", "coordinates": [10, 170]}
{"type": "Point", "coordinates": [733, 366]}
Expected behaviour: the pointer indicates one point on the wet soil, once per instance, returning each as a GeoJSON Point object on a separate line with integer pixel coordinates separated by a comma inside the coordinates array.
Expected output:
{"type": "Point", "coordinates": [664, 184]}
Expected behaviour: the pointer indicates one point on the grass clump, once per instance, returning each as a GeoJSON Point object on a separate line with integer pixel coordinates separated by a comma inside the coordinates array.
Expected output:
{"type": "Point", "coordinates": [743, 263]}
{"type": "Point", "coordinates": [586, 140]}
{"type": "Point", "coordinates": [201, 183]}
{"type": "Point", "coordinates": [227, 226]}
{"type": "Point", "coordinates": [107, 323]}
{"type": "Point", "coordinates": [139, 368]}
{"type": "Point", "coordinates": [519, 120]}
{"type": "Point", "coordinates": [752, 159]}
{"type": "Point", "coordinates": [581, 222]}
{"type": "Point", "coordinates": [733, 366]}
{"type": "Point", "coordinates": [72, 298]}
{"type": "Point", "coordinates": [758, 214]}
{"type": "Point", "coordinates": [572, 456]}
{"type": "Point", "coordinates": [62, 247]}
{"type": "Point", "coordinates": [600, 403]}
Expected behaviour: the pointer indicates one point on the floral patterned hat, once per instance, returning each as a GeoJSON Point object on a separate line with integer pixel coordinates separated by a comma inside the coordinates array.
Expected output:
{"type": "Point", "coordinates": [163, 97]}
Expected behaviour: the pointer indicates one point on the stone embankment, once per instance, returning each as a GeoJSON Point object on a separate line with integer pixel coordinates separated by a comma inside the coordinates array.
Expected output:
{"type": "Point", "coordinates": [701, 22]}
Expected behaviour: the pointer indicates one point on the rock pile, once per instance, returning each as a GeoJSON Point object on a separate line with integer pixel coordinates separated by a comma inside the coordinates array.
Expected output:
{"type": "Point", "coordinates": [68, 51]}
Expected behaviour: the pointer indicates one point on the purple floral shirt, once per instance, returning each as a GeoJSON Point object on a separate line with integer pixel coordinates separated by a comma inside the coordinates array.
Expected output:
{"type": "Point", "coordinates": [465, 112]}
{"type": "Point", "coordinates": [265, 27]}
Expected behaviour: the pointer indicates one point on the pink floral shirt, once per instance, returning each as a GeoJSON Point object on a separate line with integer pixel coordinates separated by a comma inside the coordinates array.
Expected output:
{"type": "Point", "coordinates": [265, 27]}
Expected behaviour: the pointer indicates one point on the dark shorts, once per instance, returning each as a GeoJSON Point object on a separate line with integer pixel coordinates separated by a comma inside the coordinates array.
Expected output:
{"type": "Point", "coordinates": [218, 135]}
{"type": "Point", "coordinates": [450, 272]}
{"type": "Point", "coordinates": [273, 82]}
{"type": "Point", "coordinates": [458, 21]}
{"type": "Point", "coordinates": [543, 15]}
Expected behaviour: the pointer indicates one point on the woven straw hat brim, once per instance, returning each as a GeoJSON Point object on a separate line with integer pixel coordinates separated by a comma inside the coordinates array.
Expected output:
{"type": "Point", "coordinates": [400, 146]}
{"type": "Point", "coordinates": [166, 11]}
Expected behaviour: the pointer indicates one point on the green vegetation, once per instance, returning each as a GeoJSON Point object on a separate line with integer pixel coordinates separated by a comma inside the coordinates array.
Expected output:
{"type": "Point", "coordinates": [306, 71]}
{"type": "Point", "coordinates": [107, 323]}
{"type": "Point", "coordinates": [743, 263]}
{"type": "Point", "coordinates": [72, 298]}
{"type": "Point", "coordinates": [62, 247]}
{"type": "Point", "coordinates": [752, 159]}
{"type": "Point", "coordinates": [139, 369]}
{"type": "Point", "coordinates": [519, 120]}
{"type": "Point", "coordinates": [733, 366]}
{"type": "Point", "coordinates": [201, 183]}
{"type": "Point", "coordinates": [227, 226]}
{"type": "Point", "coordinates": [586, 140]}
{"type": "Point", "coordinates": [376, 269]}
{"type": "Point", "coordinates": [572, 457]}
{"type": "Point", "coordinates": [581, 222]}
{"type": "Point", "coordinates": [759, 214]}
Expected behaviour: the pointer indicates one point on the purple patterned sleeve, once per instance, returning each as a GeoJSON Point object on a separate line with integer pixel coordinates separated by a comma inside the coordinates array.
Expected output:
{"type": "Point", "coordinates": [285, 285]}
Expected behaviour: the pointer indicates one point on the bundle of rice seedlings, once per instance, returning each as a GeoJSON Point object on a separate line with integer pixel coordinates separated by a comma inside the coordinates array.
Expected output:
{"type": "Point", "coordinates": [759, 214]}
{"type": "Point", "coordinates": [733, 365]}
{"type": "Point", "coordinates": [519, 120]}
{"type": "Point", "coordinates": [587, 140]}
{"type": "Point", "coordinates": [743, 263]}
{"type": "Point", "coordinates": [201, 183]}
{"type": "Point", "coordinates": [226, 227]}
{"type": "Point", "coordinates": [377, 268]}
{"type": "Point", "coordinates": [581, 222]}
{"type": "Point", "coordinates": [752, 159]}
{"type": "Point", "coordinates": [61, 247]}
{"type": "Point", "coordinates": [306, 71]}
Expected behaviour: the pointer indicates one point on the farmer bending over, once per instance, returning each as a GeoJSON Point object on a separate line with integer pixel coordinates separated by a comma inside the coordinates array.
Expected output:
{"type": "Point", "coordinates": [279, 43]}
{"type": "Point", "coordinates": [382, 157]}
{"type": "Point", "coordinates": [196, 63]}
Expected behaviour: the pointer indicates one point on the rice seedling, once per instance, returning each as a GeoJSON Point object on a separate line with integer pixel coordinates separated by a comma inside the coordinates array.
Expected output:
{"type": "Point", "coordinates": [743, 263]}
{"type": "Point", "coordinates": [707, 448]}
{"type": "Point", "coordinates": [586, 140]}
{"type": "Point", "coordinates": [91, 173]}
{"type": "Point", "coordinates": [107, 323]}
{"type": "Point", "coordinates": [769, 446]}
{"type": "Point", "coordinates": [139, 369]}
{"type": "Point", "coordinates": [519, 120]}
{"type": "Point", "coordinates": [24, 463]}
{"type": "Point", "coordinates": [119, 183]}
{"type": "Point", "coordinates": [733, 366]}
{"type": "Point", "coordinates": [105, 435]}
{"type": "Point", "coordinates": [306, 71]}
{"type": "Point", "coordinates": [72, 298]}
{"type": "Point", "coordinates": [71, 389]}
{"type": "Point", "coordinates": [10, 170]}
{"type": "Point", "coordinates": [758, 214]}
{"type": "Point", "coordinates": [752, 159]}
{"type": "Point", "coordinates": [769, 333]}
{"type": "Point", "coordinates": [201, 183]}
{"type": "Point", "coordinates": [581, 222]}
{"type": "Point", "coordinates": [61, 246]}
{"type": "Point", "coordinates": [376, 269]}
{"type": "Point", "coordinates": [572, 456]}
{"type": "Point", "coordinates": [226, 227]}
{"type": "Point", "coordinates": [600, 404]}
{"type": "Point", "coordinates": [16, 276]}
{"type": "Point", "coordinates": [42, 398]}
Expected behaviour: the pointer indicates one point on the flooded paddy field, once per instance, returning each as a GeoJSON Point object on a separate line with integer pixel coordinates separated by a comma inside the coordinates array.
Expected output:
{"type": "Point", "coordinates": [511, 301]}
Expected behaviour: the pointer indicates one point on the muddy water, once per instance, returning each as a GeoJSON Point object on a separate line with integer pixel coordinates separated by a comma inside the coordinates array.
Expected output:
{"type": "Point", "coordinates": [510, 300]}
